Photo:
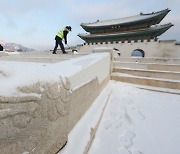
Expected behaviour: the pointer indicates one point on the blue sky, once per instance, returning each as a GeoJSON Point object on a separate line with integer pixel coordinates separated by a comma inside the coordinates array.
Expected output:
{"type": "Point", "coordinates": [34, 23]}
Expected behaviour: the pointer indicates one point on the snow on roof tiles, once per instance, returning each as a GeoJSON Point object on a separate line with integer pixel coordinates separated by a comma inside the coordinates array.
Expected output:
{"type": "Point", "coordinates": [141, 16]}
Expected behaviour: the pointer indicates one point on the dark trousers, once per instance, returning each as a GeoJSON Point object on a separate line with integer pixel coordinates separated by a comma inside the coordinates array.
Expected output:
{"type": "Point", "coordinates": [58, 42]}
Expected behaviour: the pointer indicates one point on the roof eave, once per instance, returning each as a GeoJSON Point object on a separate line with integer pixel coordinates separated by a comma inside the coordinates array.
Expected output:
{"type": "Point", "coordinates": [160, 30]}
{"type": "Point", "coordinates": [87, 26]}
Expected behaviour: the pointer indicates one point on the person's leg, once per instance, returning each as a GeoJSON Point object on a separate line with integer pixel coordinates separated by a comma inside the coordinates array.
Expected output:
{"type": "Point", "coordinates": [55, 48]}
{"type": "Point", "coordinates": [62, 46]}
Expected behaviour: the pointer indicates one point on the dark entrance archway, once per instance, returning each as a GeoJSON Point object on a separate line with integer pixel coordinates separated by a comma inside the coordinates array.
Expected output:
{"type": "Point", "coordinates": [138, 53]}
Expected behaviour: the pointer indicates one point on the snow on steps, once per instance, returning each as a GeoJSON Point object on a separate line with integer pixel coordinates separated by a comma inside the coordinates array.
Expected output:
{"type": "Point", "coordinates": [157, 82]}
{"type": "Point", "coordinates": [149, 73]}
{"type": "Point", "coordinates": [149, 60]}
{"type": "Point", "coordinates": [148, 66]}
{"type": "Point", "coordinates": [157, 72]}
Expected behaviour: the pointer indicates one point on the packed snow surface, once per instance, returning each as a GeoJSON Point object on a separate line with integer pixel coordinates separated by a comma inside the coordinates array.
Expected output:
{"type": "Point", "coordinates": [135, 121]}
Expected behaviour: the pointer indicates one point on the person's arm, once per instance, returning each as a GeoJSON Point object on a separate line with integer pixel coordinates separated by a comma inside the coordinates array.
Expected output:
{"type": "Point", "coordinates": [65, 36]}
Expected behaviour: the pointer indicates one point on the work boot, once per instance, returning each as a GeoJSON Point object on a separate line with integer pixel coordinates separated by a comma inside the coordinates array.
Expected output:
{"type": "Point", "coordinates": [54, 53]}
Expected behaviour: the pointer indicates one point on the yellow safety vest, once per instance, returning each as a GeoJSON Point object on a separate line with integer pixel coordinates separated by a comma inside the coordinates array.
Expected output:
{"type": "Point", "coordinates": [61, 33]}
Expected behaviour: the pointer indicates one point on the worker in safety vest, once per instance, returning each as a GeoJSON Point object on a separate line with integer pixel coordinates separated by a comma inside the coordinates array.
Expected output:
{"type": "Point", "coordinates": [62, 34]}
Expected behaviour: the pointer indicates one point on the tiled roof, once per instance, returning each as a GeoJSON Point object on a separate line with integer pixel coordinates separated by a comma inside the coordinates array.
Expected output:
{"type": "Point", "coordinates": [139, 17]}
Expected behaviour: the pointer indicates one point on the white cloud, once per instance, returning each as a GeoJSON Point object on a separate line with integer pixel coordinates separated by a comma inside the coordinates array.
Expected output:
{"type": "Point", "coordinates": [41, 19]}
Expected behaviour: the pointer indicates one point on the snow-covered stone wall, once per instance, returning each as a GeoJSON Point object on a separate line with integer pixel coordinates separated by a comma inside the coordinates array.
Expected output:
{"type": "Point", "coordinates": [40, 103]}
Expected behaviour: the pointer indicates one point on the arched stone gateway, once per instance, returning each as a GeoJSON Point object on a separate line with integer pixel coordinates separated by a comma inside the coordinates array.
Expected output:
{"type": "Point", "coordinates": [126, 34]}
{"type": "Point", "coordinates": [138, 53]}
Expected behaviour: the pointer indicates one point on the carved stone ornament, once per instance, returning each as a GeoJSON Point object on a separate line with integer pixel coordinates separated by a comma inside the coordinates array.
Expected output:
{"type": "Point", "coordinates": [38, 121]}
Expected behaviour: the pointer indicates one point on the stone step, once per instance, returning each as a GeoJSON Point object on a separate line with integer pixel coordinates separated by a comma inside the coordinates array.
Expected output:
{"type": "Point", "coordinates": [149, 60]}
{"type": "Point", "coordinates": [147, 66]}
{"type": "Point", "coordinates": [156, 82]}
{"type": "Point", "coordinates": [149, 73]}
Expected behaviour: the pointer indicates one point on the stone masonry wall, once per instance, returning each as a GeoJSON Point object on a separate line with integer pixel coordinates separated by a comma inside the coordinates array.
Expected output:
{"type": "Point", "coordinates": [152, 48]}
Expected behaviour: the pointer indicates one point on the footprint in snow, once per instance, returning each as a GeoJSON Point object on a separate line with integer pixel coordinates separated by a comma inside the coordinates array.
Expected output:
{"type": "Point", "coordinates": [118, 123]}
{"type": "Point", "coordinates": [107, 123]}
{"type": "Point", "coordinates": [126, 139]}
